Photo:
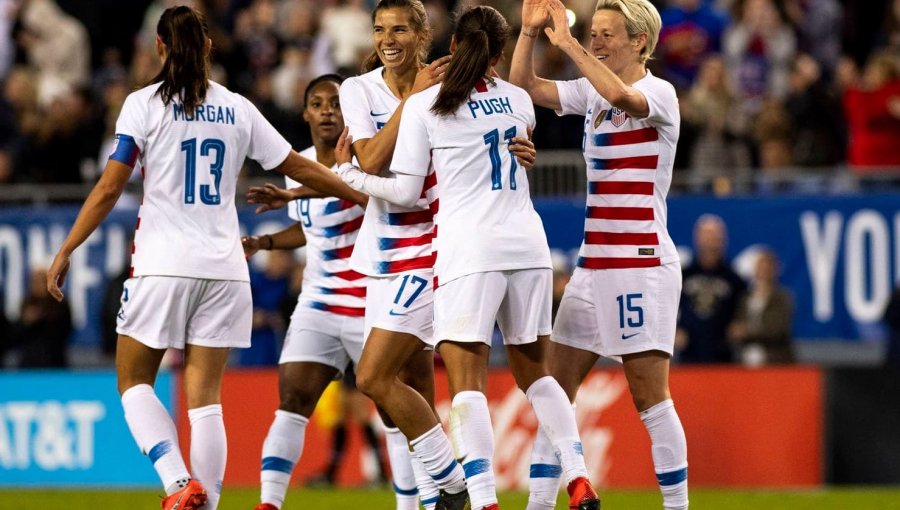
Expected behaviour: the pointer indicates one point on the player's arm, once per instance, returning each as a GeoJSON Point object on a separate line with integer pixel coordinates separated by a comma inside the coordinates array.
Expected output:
{"type": "Point", "coordinates": [290, 238]}
{"type": "Point", "coordinates": [270, 197]}
{"type": "Point", "coordinates": [521, 72]}
{"type": "Point", "coordinates": [604, 81]}
{"type": "Point", "coordinates": [401, 189]}
{"type": "Point", "coordinates": [374, 154]}
{"type": "Point", "coordinates": [95, 209]}
{"type": "Point", "coordinates": [315, 175]}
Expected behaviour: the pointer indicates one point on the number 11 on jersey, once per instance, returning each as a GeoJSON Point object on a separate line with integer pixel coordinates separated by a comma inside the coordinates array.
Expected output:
{"type": "Point", "coordinates": [492, 140]}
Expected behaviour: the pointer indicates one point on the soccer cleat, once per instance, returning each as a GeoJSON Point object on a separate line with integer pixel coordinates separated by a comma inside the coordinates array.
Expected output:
{"type": "Point", "coordinates": [191, 497]}
{"type": "Point", "coordinates": [448, 501]}
{"type": "Point", "coordinates": [492, 506]}
{"type": "Point", "coordinates": [265, 506]}
{"type": "Point", "coordinates": [582, 495]}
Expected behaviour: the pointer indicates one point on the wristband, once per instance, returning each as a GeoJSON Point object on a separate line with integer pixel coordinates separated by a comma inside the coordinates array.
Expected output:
{"type": "Point", "coordinates": [271, 242]}
{"type": "Point", "coordinates": [531, 34]}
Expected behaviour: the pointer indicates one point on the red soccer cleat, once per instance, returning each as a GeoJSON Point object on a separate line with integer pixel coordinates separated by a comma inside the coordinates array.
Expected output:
{"type": "Point", "coordinates": [492, 506]}
{"type": "Point", "coordinates": [191, 497]}
{"type": "Point", "coordinates": [582, 495]}
{"type": "Point", "coordinates": [265, 506]}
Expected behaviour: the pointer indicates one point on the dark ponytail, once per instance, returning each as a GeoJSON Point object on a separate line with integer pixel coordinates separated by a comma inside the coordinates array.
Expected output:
{"type": "Point", "coordinates": [185, 73]}
{"type": "Point", "coordinates": [418, 20]}
{"type": "Point", "coordinates": [481, 33]}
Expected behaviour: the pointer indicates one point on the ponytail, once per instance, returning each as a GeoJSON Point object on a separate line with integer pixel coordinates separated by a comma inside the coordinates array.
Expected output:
{"type": "Point", "coordinates": [480, 36]}
{"type": "Point", "coordinates": [185, 72]}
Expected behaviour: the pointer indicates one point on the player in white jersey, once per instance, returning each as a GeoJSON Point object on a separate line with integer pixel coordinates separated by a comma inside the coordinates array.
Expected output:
{"type": "Point", "coordinates": [622, 301]}
{"type": "Point", "coordinates": [190, 284]}
{"type": "Point", "coordinates": [492, 258]}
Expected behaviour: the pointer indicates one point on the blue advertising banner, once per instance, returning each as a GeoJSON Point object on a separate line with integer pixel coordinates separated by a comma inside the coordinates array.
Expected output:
{"type": "Point", "coordinates": [840, 255]}
{"type": "Point", "coordinates": [67, 428]}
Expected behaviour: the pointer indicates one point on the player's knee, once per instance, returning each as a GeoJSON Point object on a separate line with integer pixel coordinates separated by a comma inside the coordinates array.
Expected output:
{"type": "Point", "coordinates": [298, 402]}
{"type": "Point", "coordinates": [372, 383]}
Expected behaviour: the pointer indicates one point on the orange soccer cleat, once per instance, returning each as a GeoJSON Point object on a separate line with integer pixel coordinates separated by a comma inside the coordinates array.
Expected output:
{"type": "Point", "coordinates": [582, 495]}
{"type": "Point", "coordinates": [191, 497]}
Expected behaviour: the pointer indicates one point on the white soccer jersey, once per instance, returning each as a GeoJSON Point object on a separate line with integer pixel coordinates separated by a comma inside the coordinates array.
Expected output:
{"type": "Point", "coordinates": [331, 226]}
{"type": "Point", "coordinates": [486, 221]}
{"type": "Point", "coordinates": [187, 224]}
{"type": "Point", "coordinates": [393, 239]}
{"type": "Point", "coordinates": [629, 171]}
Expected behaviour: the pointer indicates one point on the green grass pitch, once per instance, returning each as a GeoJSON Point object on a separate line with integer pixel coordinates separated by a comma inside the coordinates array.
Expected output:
{"type": "Point", "coordinates": [357, 499]}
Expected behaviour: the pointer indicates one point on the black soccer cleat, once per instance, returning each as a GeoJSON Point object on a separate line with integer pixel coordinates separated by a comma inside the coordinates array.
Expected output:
{"type": "Point", "coordinates": [458, 501]}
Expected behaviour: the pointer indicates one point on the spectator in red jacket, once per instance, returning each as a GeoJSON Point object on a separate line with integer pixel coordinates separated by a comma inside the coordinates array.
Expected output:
{"type": "Point", "coordinates": [872, 108]}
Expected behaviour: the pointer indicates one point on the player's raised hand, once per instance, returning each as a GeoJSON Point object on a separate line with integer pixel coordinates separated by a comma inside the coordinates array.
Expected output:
{"type": "Point", "coordinates": [534, 14]}
{"type": "Point", "coordinates": [270, 197]}
{"type": "Point", "coordinates": [56, 275]}
{"type": "Point", "coordinates": [431, 74]}
{"type": "Point", "coordinates": [524, 151]}
{"type": "Point", "coordinates": [559, 33]}
{"type": "Point", "coordinates": [342, 153]}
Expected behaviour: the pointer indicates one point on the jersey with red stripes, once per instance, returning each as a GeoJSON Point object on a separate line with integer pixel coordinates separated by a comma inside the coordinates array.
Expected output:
{"type": "Point", "coordinates": [629, 171]}
{"type": "Point", "coordinates": [393, 239]}
{"type": "Point", "coordinates": [331, 226]}
{"type": "Point", "coordinates": [486, 221]}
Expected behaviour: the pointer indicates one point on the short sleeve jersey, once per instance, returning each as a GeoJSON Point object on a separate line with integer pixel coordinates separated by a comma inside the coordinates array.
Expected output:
{"type": "Point", "coordinates": [187, 223]}
{"type": "Point", "coordinates": [629, 171]}
{"type": "Point", "coordinates": [393, 239]}
{"type": "Point", "coordinates": [331, 226]}
{"type": "Point", "coordinates": [486, 220]}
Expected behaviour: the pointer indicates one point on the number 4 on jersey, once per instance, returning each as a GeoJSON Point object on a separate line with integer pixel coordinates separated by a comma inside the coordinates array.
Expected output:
{"type": "Point", "coordinates": [492, 140]}
{"type": "Point", "coordinates": [189, 147]}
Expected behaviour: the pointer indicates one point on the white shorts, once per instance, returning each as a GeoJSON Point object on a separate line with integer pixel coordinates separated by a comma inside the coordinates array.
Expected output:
{"type": "Point", "coordinates": [323, 337]}
{"type": "Point", "coordinates": [520, 302]}
{"type": "Point", "coordinates": [170, 311]}
{"type": "Point", "coordinates": [620, 311]}
{"type": "Point", "coordinates": [402, 303]}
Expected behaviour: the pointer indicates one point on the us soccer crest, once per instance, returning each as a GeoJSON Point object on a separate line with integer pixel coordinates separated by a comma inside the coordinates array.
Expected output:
{"type": "Point", "coordinates": [618, 117]}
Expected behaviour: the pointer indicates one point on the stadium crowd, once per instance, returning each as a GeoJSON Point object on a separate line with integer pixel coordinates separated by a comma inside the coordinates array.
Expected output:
{"type": "Point", "coordinates": [764, 85]}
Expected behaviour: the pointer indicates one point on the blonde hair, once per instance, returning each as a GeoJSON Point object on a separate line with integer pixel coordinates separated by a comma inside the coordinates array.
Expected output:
{"type": "Point", "coordinates": [641, 17]}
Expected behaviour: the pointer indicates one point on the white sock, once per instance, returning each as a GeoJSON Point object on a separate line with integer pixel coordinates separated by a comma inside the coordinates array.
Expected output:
{"type": "Point", "coordinates": [433, 451]}
{"type": "Point", "coordinates": [155, 434]}
{"type": "Point", "coordinates": [404, 480]}
{"type": "Point", "coordinates": [209, 450]}
{"type": "Point", "coordinates": [428, 490]}
{"type": "Point", "coordinates": [281, 451]}
{"type": "Point", "coordinates": [669, 449]}
{"type": "Point", "coordinates": [554, 413]}
{"type": "Point", "coordinates": [543, 480]}
{"type": "Point", "coordinates": [470, 420]}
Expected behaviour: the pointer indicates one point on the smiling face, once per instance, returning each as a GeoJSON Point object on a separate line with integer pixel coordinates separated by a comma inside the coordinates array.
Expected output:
{"type": "Point", "coordinates": [610, 42]}
{"type": "Point", "coordinates": [323, 113]}
{"type": "Point", "coordinates": [396, 41]}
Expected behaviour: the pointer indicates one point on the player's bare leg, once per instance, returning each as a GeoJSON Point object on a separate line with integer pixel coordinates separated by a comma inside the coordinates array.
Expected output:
{"type": "Point", "coordinates": [556, 417]}
{"type": "Point", "coordinates": [204, 368]}
{"type": "Point", "coordinates": [648, 379]}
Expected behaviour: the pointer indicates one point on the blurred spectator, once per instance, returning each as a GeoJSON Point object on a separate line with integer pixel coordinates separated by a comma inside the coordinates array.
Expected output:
{"type": "Point", "coordinates": [761, 331]}
{"type": "Point", "coordinates": [710, 294]}
{"type": "Point", "coordinates": [41, 336]}
{"type": "Point", "coordinates": [759, 50]}
{"type": "Point", "coordinates": [818, 138]}
{"type": "Point", "coordinates": [269, 289]}
{"type": "Point", "coordinates": [348, 27]}
{"type": "Point", "coordinates": [691, 31]}
{"type": "Point", "coordinates": [57, 46]}
{"type": "Point", "coordinates": [872, 108]}
{"type": "Point", "coordinates": [772, 136]}
{"type": "Point", "coordinates": [892, 320]}
{"type": "Point", "coordinates": [818, 25]}
{"type": "Point", "coordinates": [715, 124]}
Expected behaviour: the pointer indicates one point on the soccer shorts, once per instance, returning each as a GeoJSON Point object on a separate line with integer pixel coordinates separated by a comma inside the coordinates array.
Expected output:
{"type": "Point", "coordinates": [323, 337]}
{"type": "Point", "coordinates": [170, 311]}
{"type": "Point", "coordinates": [403, 304]}
{"type": "Point", "coordinates": [520, 302]}
{"type": "Point", "coordinates": [620, 311]}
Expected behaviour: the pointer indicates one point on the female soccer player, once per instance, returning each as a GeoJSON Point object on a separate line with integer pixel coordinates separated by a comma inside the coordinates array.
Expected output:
{"type": "Point", "coordinates": [190, 286]}
{"type": "Point", "coordinates": [622, 300]}
{"type": "Point", "coordinates": [493, 262]}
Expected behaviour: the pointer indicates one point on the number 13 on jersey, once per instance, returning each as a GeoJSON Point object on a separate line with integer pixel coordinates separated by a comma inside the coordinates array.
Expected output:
{"type": "Point", "coordinates": [189, 147]}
